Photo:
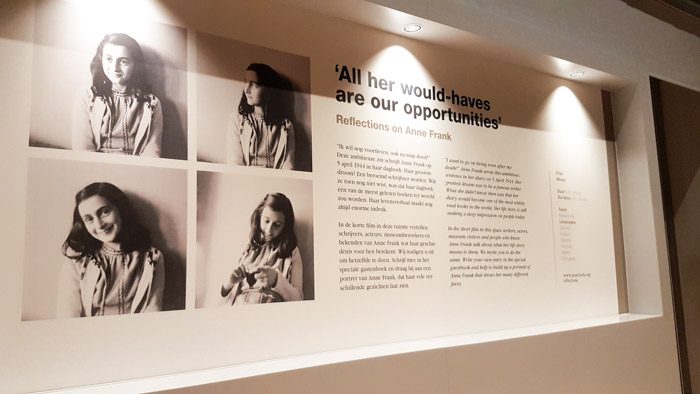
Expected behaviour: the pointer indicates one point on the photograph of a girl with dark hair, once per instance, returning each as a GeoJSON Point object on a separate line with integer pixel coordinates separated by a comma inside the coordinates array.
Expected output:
{"type": "Point", "coordinates": [260, 133]}
{"type": "Point", "coordinates": [107, 84]}
{"type": "Point", "coordinates": [270, 267]}
{"type": "Point", "coordinates": [254, 105]}
{"type": "Point", "coordinates": [118, 114]}
{"type": "Point", "coordinates": [99, 236]}
{"type": "Point", "coordinates": [111, 267]}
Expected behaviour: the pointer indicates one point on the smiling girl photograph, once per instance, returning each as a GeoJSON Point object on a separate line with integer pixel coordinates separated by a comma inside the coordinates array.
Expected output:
{"type": "Point", "coordinates": [111, 267]}
{"type": "Point", "coordinates": [103, 239]}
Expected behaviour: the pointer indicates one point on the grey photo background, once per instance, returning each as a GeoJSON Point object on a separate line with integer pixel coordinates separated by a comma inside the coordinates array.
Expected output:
{"type": "Point", "coordinates": [66, 38]}
{"type": "Point", "coordinates": [224, 205]}
{"type": "Point", "coordinates": [159, 198]}
{"type": "Point", "coordinates": [221, 64]}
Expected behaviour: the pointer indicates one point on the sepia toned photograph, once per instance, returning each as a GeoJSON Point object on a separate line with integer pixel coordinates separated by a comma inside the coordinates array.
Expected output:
{"type": "Point", "coordinates": [110, 84]}
{"type": "Point", "coordinates": [253, 105]}
{"type": "Point", "coordinates": [254, 240]}
{"type": "Point", "coordinates": [103, 240]}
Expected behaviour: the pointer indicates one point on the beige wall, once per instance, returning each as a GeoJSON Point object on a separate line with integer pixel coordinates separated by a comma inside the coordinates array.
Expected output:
{"type": "Point", "coordinates": [638, 357]}
{"type": "Point", "coordinates": [635, 357]}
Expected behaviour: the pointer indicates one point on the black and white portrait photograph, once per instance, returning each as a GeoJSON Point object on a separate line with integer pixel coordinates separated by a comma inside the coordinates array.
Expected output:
{"type": "Point", "coordinates": [253, 105]}
{"type": "Point", "coordinates": [103, 239]}
{"type": "Point", "coordinates": [254, 240]}
{"type": "Point", "coordinates": [104, 81]}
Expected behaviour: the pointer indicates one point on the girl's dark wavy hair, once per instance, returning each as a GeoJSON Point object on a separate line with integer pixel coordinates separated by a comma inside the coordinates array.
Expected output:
{"type": "Point", "coordinates": [138, 82]}
{"type": "Point", "coordinates": [287, 240]}
{"type": "Point", "coordinates": [272, 104]}
{"type": "Point", "coordinates": [132, 236]}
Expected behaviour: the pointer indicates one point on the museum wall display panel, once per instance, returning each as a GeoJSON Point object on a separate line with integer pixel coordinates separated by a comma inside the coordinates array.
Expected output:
{"type": "Point", "coordinates": [397, 195]}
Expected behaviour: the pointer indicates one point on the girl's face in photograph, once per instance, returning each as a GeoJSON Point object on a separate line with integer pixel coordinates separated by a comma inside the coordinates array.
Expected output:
{"type": "Point", "coordinates": [271, 223]}
{"type": "Point", "coordinates": [117, 64]}
{"type": "Point", "coordinates": [101, 219]}
{"type": "Point", "coordinates": [253, 90]}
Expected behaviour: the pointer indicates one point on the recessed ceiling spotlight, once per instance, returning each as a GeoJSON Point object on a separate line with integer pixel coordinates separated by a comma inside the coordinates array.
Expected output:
{"type": "Point", "coordinates": [412, 27]}
{"type": "Point", "coordinates": [577, 74]}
